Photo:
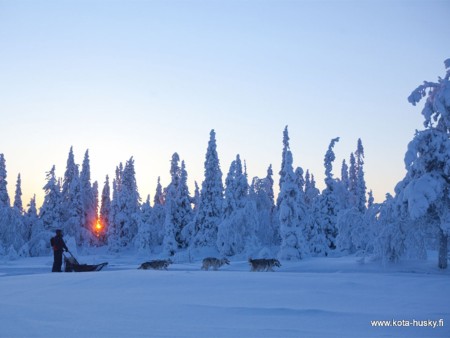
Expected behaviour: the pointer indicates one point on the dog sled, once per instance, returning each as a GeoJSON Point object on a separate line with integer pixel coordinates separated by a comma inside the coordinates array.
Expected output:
{"type": "Point", "coordinates": [71, 265]}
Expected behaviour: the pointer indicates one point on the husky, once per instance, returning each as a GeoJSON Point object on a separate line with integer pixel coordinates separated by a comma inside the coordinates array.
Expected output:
{"type": "Point", "coordinates": [215, 263]}
{"type": "Point", "coordinates": [263, 264]}
{"type": "Point", "coordinates": [156, 264]}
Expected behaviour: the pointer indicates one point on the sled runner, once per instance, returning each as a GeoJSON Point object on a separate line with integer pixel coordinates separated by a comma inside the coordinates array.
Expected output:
{"type": "Point", "coordinates": [71, 264]}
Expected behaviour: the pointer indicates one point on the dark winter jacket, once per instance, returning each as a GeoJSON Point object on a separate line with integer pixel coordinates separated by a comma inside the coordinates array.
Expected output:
{"type": "Point", "coordinates": [58, 244]}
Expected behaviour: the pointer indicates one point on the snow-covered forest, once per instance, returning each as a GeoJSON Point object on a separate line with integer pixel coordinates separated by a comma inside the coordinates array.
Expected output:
{"type": "Point", "coordinates": [237, 216]}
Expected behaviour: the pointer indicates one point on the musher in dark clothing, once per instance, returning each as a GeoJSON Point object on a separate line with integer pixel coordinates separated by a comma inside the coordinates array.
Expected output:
{"type": "Point", "coordinates": [58, 246]}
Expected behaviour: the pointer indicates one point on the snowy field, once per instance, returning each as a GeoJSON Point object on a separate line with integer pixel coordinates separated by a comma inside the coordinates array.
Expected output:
{"type": "Point", "coordinates": [319, 297]}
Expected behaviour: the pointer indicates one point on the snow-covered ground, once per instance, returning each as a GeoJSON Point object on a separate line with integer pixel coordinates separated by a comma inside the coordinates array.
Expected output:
{"type": "Point", "coordinates": [317, 297]}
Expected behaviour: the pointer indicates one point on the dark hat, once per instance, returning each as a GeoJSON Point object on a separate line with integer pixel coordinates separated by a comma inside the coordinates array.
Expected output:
{"type": "Point", "coordinates": [58, 231]}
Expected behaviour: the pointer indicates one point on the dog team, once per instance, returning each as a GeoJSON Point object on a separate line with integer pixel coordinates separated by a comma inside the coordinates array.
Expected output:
{"type": "Point", "coordinates": [260, 264]}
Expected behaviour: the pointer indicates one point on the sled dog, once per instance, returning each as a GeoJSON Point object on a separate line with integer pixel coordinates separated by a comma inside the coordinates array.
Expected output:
{"type": "Point", "coordinates": [158, 264]}
{"type": "Point", "coordinates": [215, 263]}
{"type": "Point", "coordinates": [263, 264]}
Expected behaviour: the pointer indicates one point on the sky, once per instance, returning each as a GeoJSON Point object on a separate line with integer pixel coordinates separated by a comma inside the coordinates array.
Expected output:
{"type": "Point", "coordinates": [150, 78]}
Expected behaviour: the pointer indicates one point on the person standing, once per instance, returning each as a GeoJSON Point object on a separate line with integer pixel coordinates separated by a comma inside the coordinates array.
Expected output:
{"type": "Point", "coordinates": [58, 246]}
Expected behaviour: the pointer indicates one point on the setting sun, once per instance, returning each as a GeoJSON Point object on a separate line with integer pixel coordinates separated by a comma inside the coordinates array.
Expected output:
{"type": "Point", "coordinates": [98, 226]}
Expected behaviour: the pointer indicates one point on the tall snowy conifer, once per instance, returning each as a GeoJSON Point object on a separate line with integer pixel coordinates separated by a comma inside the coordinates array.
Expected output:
{"type": "Point", "coordinates": [371, 199]}
{"type": "Point", "coordinates": [345, 198]}
{"type": "Point", "coordinates": [112, 230]}
{"type": "Point", "coordinates": [38, 243]}
{"type": "Point", "coordinates": [236, 230]}
{"type": "Point", "coordinates": [88, 199]}
{"type": "Point", "coordinates": [6, 227]}
{"type": "Point", "coordinates": [72, 206]}
{"type": "Point", "coordinates": [353, 181]}
{"type": "Point", "coordinates": [144, 242]}
{"type": "Point", "coordinates": [50, 212]}
{"type": "Point", "coordinates": [105, 210]}
{"type": "Point", "coordinates": [128, 217]}
{"type": "Point", "coordinates": [210, 209]}
{"type": "Point", "coordinates": [360, 182]}
{"type": "Point", "coordinates": [178, 207]}
{"type": "Point", "coordinates": [328, 201]}
{"type": "Point", "coordinates": [96, 200]}
{"type": "Point", "coordinates": [311, 192]}
{"type": "Point", "coordinates": [170, 245]}
{"type": "Point", "coordinates": [18, 195]}
{"type": "Point", "coordinates": [4, 197]}
{"type": "Point", "coordinates": [196, 198]}
{"type": "Point", "coordinates": [344, 175]}
{"type": "Point", "coordinates": [283, 159]}
{"type": "Point", "coordinates": [115, 215]}
{"type": "Point", "coordinates": [291, 214]}
{"type": "Point", "coordinates": [157, 217]}
{"type": "Point", "coordinates": [261, 192]}
{"type": "Point", "coordinates": [185, 211]}
{"type": "Point", "coordinates": [30, 218]}
{"type": "Point", "coordinates": [159, 198]}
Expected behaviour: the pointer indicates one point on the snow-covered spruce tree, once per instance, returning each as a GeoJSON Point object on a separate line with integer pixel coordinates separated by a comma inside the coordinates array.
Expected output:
{"type": "Point", "coordinates": [38, 244]}
{"type": "Point", "coordinates": [344, 175]}
{"type": "Point", "coordinates": [159, 198]}
{"type": "Point", "coordinates": [50, 211]}
{"type": "Point", "coordinates": [311, 192]}
{"type": "Point", "coordinates": [261, 192]}
{"type": "Point", "coordinates": [344, 188]}
{"type": "Point", "coordinates": [96, 199]}
{"type": "Point", "coordinates": [143, 241]}
{"type": "Point", "coordinates": [105, 211]}
{"type": "Point", "coordinates": [170, 244]}
{"type": "Point", "coordinates": [18, 196]}
{"type": "Point", "coordinates": [236, 231]}
{"type": "Point", "coordinates": [5, 226]}
{"type": "Point", "coordinates": [4, 197]}
{"type": "Point", "coordinates": [188, 232]}
{"type": "Point", "coordinates": [328, 203]}
{"type": "Point", "coordinates": [88, 201]}
{"type": "Point", "coordinates": [360, 181]}
{"type": "Point", "coordinates": [316, 237]}
{"type": "Point", "coordinates": [22, 231]}
{"type": "Point", "coordinates": [71, 205]}
{"type": "Point", "coordinates": [209, 213]}
{"type": "Point", "coordinates": [353, 228]}
{"type": "Point", "coordinates": [286, 148]}
{"type": "Point", "coordinates": [196, 199]}
{"type": "Point", "coordinates": [127, 212]}
{"type": "Point", "coordinates": [291, 214]}
{"type": "Point", "coordinates": [370, 199]}
{"type": "Point", "coordinates": [318, 244]}
{"type": "Point", "coordinates": [178, 207]}
{"type": "Point", "coordinates": [158, 216]}
{"type": "Point", "coordinates": [112, 232]}
{"type": "Point", "coordinates": [185, 212]}
{"type": "Point", "coordinates": [353, 181]}
{"type": "Point", "coordinates": [12, 229]}
{"type": "Point", "coordinates": [29, 218]}
{"type": "Point", "coordinates": [424, 194]}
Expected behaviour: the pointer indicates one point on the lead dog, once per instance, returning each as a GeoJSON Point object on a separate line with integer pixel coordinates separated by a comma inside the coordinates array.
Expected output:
{"type": "Point", "coordinates": [158, 264]}
{"type": "Point", "coordinates": [263, 264]}
{"type": "Point", "coordinates": [215, 263]}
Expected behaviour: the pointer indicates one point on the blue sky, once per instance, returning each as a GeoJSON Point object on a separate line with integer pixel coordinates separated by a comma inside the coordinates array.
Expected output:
{"type": "Point", "coordinates": [148, 78]}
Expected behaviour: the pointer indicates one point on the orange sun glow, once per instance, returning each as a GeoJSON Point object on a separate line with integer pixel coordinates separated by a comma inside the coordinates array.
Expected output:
{"type": "Point", "coordinates": [98, 226]}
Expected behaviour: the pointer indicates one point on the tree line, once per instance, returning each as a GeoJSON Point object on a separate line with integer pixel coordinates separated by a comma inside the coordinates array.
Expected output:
{"type": "Point", "coordinates": [239, 216]}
